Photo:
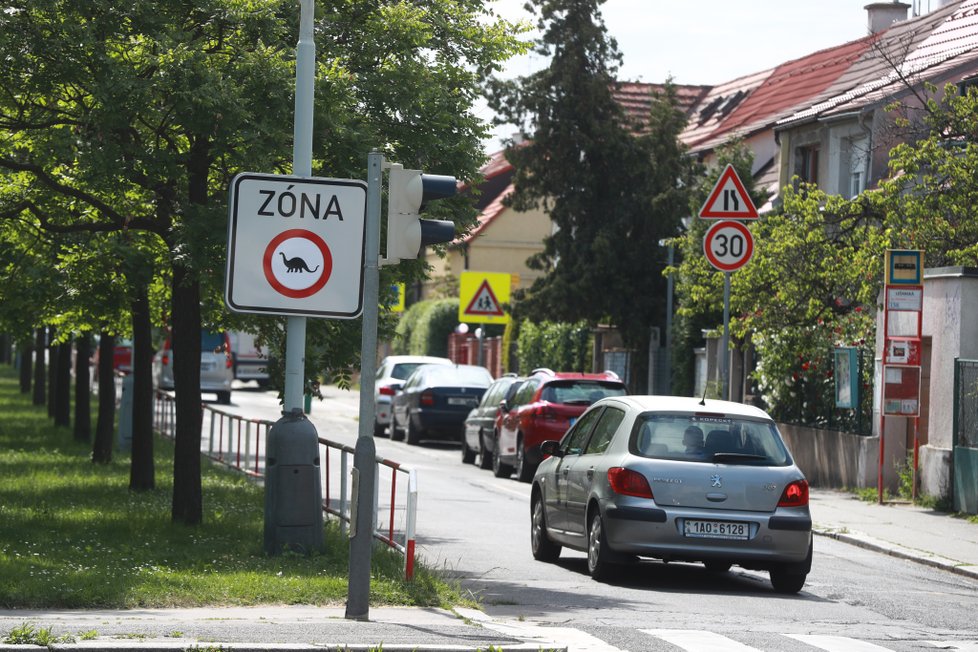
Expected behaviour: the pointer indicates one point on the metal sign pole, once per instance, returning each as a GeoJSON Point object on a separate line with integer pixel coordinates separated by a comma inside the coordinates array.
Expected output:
{"type": "Point", "coordinates": [292, 443]}
{"type": "Point", "coordinates": [725, 342]}
{"type": "Point", "coordinates": [305, 70]}
{"type": "Point", "coordinates": [365, 453]}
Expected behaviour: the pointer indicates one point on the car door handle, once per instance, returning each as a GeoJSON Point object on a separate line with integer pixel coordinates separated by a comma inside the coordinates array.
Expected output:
{"type": "Point", "coordinates": [590, 473]}
{"type": "Point", "coordinates": [564, 472]}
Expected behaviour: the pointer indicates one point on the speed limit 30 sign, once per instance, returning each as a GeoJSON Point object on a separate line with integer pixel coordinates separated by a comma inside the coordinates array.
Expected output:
{"type": "Point", "coordinates": [728, 245]}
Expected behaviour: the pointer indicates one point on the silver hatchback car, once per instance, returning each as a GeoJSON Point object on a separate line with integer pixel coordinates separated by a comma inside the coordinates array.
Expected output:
{"type": "Point", "coordinates": [676, 479]}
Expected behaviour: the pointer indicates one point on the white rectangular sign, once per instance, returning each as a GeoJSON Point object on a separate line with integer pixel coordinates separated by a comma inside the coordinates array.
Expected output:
{"type": "Point", "coordinates": [296, 245]}
{"type": "Point", "coordinates": [898, 298]}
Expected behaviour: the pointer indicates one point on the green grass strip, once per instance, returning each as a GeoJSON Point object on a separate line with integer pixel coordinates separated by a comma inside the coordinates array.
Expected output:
{"type": "Point", "coordinates": [72, 535]}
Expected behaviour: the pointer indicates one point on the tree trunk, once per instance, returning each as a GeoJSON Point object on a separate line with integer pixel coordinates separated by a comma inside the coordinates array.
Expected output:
{"type": "Point", "coordinates": [187, 505]}
{"type": "Point", "coordinates": [83, 388]}
{"type": "Point", "coordinates": [62, 385]}
{"type": "Point", "coordinates": [39, 376]}
{"type": "Point", "coordinates": [105, 425]}
{"type": "Point", "coordinates": [26, 352]}
{"type": "Point", "coordinates": [52, 371]}
{"type": "Point", "coordinates": [142, 472]}
{"type": "Point", "coordinates": [5, 348]}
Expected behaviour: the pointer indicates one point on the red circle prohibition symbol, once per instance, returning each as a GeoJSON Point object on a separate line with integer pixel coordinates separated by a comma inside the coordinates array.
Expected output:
{"type": "Point", "coordinates": [728, 245]}
{"type": "Point", "coordinates": [324, 274]}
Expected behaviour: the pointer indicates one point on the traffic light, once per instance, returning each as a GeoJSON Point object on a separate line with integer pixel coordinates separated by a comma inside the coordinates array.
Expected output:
{"type": "Point", "coordinates": [407, 193]}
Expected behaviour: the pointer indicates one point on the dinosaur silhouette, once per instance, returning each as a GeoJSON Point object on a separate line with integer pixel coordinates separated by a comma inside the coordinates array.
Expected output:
{"type": "Point", "coordinates": [296, 264]}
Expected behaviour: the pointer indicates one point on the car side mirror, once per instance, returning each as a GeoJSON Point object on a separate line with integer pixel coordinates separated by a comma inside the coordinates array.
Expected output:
{"type": "Point", "coordinates": [552, 448]}
{"type": "Point", "coordinates": [504, 406]}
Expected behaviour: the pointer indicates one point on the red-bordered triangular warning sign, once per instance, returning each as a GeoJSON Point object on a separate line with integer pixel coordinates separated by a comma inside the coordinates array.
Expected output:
{"type": "Point", "coordinates": [729, 200]}
{"type": "Point", "coordinates": [484, 302]}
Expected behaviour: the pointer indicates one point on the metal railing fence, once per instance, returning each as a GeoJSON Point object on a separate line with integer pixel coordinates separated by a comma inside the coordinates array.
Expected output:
{"type": "Point", "coordinates": [238, 443]}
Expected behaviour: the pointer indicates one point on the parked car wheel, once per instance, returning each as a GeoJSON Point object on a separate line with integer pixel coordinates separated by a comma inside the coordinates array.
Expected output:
{"type": "Point", "coordinates": [524, 470]}
{"type": "Point", "coordinates": [499, 468]}
{"type": "Point", "coordinates": [396, 433]}
{"type": "Point", "coordinates": [224, 398]}
{"type": "Point", "coordinates": [380, 430]}
{"type": "Point", "coordinates": [485, 457]}
{"type": "Point", "coordinates": [413, 434]}
{"type": "Point", "coordinates": [598, 554]}
{"type": "Point", "coordinates": [541, 546]}
{"type": "Point", "coordinates": [468, 455]}
{"type": "Point", "coordinates": [790, 578]}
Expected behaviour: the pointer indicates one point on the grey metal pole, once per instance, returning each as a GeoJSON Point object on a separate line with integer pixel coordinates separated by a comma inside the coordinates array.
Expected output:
{"type": "Point", "coordinates": [292, 442]}
{"type": "Point", "coordinates": [305, 70]}
{"type": "Point", "coordinates": [725, 343]}
{"type": "Point", "coordinates": [365, 452]}
{"type": "Point", "coordinates": [670, 289]}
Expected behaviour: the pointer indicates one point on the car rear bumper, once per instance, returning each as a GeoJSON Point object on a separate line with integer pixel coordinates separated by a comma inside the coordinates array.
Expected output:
{"type": "Point", "coordinates": [446, 424]}
{"type": "Point", "coordinates": [657, 532]}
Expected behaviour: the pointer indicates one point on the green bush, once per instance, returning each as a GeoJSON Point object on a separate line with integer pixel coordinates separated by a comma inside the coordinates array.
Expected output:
{"type": "Point", "coordinates": [559, 346]}
{"type": "Point", "coordinates": [430, 335]}
{"type": "Point", "coordinates": [424, 328]}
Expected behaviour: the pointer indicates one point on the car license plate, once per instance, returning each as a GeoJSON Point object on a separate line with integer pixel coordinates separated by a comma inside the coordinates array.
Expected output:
{"type": "Point", "coordinates": [716, 529]}
{"type": "Point", "coordinates": [206, 366]}
{"type": "Point", "coordinates": [463, 401]}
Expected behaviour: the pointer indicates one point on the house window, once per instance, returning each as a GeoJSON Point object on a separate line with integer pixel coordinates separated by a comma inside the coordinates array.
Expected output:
{"type": "Point", "coordinates": [806, 163]}
{"type": "Point", "coordinates": [858, 163]}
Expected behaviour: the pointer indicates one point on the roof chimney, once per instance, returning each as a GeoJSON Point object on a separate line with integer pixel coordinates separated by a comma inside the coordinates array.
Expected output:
{"type": "Point", "coordinates": [884, 14]}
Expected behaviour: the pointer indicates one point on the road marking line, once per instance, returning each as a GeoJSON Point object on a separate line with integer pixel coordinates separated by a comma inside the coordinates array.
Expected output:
{"type": "Point", "coordinates": [574, 640]}
{"type": "Point", "coordinates": [837, 643]}
{"type": "Point", "coordinates": [699, 640]}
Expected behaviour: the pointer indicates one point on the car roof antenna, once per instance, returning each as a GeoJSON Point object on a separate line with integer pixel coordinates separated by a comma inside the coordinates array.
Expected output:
{"type": "Point", "coordinates": [703, 399]}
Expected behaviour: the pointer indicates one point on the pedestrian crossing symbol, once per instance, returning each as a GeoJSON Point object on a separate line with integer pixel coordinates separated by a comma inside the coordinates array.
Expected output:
{"type": "Point", "coordinates": [481, 297]}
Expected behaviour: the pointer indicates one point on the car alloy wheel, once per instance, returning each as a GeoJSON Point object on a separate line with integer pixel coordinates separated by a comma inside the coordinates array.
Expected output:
{"type": "Point", "coordinates": [468, 455]}
{"type": "Point", "coordinates": [524, 470]}
{"type": "Point", "coordinates": [541, 546]}
{"type": "Point", "coordinates": [499, 468]}
{"type": "Point", "coordinates": [485, 457]}
{"type": "Point", "coordinates": [597, 550]}
{"type": "Point", "coordinates": [413, 433]}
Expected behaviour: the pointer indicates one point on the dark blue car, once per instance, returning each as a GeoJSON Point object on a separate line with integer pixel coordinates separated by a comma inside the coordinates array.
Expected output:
{"type": "Point", "coordinates": [435, 400]}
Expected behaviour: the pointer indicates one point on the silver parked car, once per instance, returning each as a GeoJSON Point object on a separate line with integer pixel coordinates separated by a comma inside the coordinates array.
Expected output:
{"type": "Point", "coordinates": [676, 479]}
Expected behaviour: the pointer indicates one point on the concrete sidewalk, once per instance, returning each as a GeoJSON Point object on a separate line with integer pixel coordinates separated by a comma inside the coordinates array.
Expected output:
{"type": "Point", "coordinates": [899, 529]}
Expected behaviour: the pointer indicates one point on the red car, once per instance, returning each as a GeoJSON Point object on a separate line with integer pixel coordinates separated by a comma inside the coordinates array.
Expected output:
{"type": "Point", "coordinates": [544, 407]}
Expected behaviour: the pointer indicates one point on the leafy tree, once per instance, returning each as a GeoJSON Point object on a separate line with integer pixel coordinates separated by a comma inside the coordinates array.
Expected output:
{"type": "Point", "coordinates": [930, 197]}
{"type": "Point", "coordinates": [612, 188]}
{"type": "Point", "coordinates": [810, 286]}
{"type": "Point", "coordinates": [131, 118]}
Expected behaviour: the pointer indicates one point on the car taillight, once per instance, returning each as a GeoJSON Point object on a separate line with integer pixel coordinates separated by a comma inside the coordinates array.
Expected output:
{"type": "Point", "coordinates": [166, 360]}
{"type": "Point", "coordinates": [628, 483]}
{"type": "Point", "coordinates": [228, 360]}
{"type": "Point", "coordinates": [795, 494]}
{"type": "Point", "coordinates": [386, 390]}
{"type": "Point", "coordinates": [427, 398]}
{"type": "Point", "coordinates": [543, 413]}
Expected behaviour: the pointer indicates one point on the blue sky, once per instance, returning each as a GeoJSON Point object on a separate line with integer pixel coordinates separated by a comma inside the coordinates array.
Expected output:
{"type": "Point", "coordinates": [711, 41]}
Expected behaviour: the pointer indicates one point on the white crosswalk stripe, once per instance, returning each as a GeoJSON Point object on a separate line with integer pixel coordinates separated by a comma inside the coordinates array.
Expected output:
{"type": "Point", "coordinates": [837, 643]}
{"type": "Point", "coordinates": [694, 640]}
{"type": "Point", "coordinates": [691, 640]}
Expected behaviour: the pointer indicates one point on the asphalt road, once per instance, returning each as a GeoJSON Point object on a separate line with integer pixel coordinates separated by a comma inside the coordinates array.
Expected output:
{"type": "Point", "coordinates": [475, 527]}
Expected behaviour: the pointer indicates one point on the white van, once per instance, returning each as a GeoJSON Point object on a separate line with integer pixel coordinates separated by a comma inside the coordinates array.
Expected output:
{"type": "Point", "coordinates": [250, 361]}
